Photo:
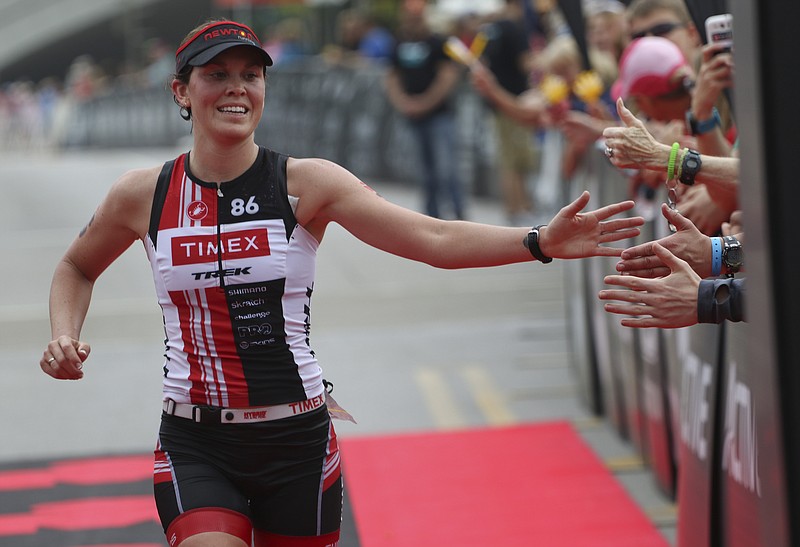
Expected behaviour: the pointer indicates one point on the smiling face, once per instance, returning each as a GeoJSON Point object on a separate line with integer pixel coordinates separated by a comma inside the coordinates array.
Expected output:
{"type": "Point", "coordinates": [226, 95]}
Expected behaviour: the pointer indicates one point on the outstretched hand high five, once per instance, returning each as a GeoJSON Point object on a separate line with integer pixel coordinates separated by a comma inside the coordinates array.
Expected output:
{"type": "Point", "coordinates": [572, 234]}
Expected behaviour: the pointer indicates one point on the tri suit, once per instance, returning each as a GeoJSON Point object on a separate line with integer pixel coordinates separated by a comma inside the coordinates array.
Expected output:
{"type": "Point", "coordinates": [245, 426]}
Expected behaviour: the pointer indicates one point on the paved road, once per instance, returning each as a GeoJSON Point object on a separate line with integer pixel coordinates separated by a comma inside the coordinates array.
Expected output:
{"type": "Point", "coordinates": [408, 347]}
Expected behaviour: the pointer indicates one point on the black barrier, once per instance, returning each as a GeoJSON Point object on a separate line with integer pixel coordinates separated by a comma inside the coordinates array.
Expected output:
{"type": "Point", "coordinates": [752, 488]}
{"type": "Point", "coordinates": [312, 110]}
{"type": "Point", "coordinates": [635, 369]}
{"type": "Point", "coordinates": [605, 345]}
{"type": "Point", "coordinates": [657, 378]}
{"type": "Point", "coordinates": [708, 417]}
{"type": "Point", "coordinates": [766, 98]}
{"type": "Point", "coordinates": [582, 359]}
{"type": "Point", "coordinates": [593, 350]}
{"type": "Point", "coordinates": [626, 362]}
{"type": "Point", "coordinates": [699, 381]}
{"type": "Point", "coordinates": [124, 118]}
{"type": "Point", "coordinates": [739, 476]}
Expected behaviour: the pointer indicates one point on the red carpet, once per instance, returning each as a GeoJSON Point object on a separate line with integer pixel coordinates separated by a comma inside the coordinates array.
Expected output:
{"type": "Point", "coordinates": [533, 485]}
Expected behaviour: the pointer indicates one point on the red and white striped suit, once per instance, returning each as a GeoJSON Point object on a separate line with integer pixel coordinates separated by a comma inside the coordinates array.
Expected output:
{"type": "Point", "coordinates": [234, 273]}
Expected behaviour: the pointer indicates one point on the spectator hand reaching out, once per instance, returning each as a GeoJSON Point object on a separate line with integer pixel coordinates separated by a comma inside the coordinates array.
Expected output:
{"type": "Point", "coordinates": [688, 243]}
{"type": "Point", "coordinates": [664, 302]}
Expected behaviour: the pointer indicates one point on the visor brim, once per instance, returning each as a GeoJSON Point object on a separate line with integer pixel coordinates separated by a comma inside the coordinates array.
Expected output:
{"type": "Point", "coordinates": [205, 56]}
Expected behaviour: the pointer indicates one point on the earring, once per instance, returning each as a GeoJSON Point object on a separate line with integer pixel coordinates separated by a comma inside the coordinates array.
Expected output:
{"type": "Point", "coordinates": [185, 111]}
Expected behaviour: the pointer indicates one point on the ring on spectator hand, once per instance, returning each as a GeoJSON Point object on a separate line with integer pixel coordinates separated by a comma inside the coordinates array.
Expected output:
{"type": "Point", "coordinates": [609, 152]}
{"type": "Point", "coordinates": [51, 360]}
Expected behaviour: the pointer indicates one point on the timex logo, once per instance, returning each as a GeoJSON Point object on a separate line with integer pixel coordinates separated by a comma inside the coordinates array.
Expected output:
{"type": "Point", "coordinates": [200, 249]}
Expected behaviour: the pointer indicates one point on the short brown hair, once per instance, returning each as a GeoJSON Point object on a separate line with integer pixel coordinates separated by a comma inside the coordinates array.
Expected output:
{"type": "Point", "coordinates": [642, 8]}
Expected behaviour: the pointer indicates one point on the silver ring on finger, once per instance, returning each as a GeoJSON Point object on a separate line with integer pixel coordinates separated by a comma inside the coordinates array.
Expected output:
{"type": "Point", "coordinates": [609, 152]}
{"type": "Point", "coordinates": [51, 360]}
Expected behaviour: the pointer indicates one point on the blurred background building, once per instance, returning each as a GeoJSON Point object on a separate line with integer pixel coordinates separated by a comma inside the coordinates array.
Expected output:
{"type": "Point", "coordinates": [41, 38]}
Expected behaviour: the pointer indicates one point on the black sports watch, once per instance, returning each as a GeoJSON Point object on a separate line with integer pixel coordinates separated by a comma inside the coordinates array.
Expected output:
{"type": "Point", "coordinates": [701, 127]}
{"type": "Point", "coordinates": [531, 241]}
{"type": "Point", "coordinates": [732, 255]}
{"type": "Point", "coordinates": [690, 166]}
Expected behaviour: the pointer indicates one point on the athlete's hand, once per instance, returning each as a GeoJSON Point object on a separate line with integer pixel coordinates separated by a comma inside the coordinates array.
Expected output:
{"type": "Point", "coordinates": [573, 234]}
{"type": "Point", "coordinates": [63, 359]}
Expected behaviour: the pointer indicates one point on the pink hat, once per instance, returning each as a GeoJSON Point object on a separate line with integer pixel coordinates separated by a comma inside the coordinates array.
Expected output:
{"type": "Point", "coordinates": [646, 68]}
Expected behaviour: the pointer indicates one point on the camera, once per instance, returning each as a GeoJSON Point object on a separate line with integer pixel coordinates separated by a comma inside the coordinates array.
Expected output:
{"type": "Point", "coordinates": [719, 30]}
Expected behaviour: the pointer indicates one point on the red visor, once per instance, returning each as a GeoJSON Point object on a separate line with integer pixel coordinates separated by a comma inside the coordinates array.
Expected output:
{"type": "Point", "coordinates": [212, 40]}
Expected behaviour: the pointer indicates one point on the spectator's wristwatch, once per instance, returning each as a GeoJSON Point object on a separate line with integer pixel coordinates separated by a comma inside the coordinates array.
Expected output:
{"type": "Point", "coordinates": [732, 255]}
{"type": "Point", "coordinates": [701, 127]}
{"type": "Point", "coordinates": [690, 165]}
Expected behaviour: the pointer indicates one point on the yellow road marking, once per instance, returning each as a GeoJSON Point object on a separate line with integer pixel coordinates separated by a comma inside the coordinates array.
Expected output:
{"type": "Point", "coordinates": [489, 398]}
{"type": "Point", "coordinates": [620, 464]}
{"type": "Point", "coordinates": [439, 398]}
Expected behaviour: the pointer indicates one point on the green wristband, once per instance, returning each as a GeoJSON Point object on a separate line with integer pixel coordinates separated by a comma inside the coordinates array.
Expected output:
{"type": "Point", "coordinates": [673, 154]}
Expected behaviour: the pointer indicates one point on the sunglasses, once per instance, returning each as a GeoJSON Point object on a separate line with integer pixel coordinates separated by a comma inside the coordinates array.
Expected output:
{"type": "Point", "coordinates": [661, 29]}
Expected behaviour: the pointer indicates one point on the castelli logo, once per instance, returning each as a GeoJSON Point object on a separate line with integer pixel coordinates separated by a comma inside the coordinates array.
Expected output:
{"type": "Point", "coordinates": [197, 210]}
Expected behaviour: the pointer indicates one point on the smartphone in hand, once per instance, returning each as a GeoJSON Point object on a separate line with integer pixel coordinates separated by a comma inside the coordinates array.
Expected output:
{"type": "Point", "coordinates": [719, 30]}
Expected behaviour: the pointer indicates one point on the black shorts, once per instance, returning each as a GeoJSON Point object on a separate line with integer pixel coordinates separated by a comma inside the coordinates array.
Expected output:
{"type": "Point", "coordinates": [284, 475]}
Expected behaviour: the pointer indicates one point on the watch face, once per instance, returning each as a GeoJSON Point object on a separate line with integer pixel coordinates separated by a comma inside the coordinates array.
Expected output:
{"type": "Point", "coordinates": [691, 163]}
{"type": "Point", "coordinates": [733, 256]}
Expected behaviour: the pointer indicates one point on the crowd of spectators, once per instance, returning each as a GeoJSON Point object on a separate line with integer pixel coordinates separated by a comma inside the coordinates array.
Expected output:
{"type": "Point", "coordinates": [644, 88]}
{"type": "Point", "coordinates": [649, 92]}
{"type": "Point", "coordinates": [34, 115]}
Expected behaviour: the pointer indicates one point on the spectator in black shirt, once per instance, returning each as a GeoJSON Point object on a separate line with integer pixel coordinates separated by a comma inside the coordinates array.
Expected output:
{"type": "Point", "coordinates": [508, 56]}
{"type": "Point", "coordinates": [420, 85]}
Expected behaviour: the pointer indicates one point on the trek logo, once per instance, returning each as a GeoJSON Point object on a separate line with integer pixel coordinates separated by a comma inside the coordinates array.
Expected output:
{"type": "Point", "coordinates": [264, 329]}
{"type": "Point", "coordinates": [201, 249]}
{"type": "Point", "coordinates": [214, 274]}
{"type": "Point", "coordinates": [197, 210]}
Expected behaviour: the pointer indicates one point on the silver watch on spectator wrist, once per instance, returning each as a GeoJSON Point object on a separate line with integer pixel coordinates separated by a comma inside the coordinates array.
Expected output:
{"type": "Point", "coordinates": [732, 255]}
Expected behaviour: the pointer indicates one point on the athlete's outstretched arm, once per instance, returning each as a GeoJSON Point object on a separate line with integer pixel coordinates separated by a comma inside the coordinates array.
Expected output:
{"type": "Point", "coordinates": [329, 193]}
{"type": "Point", "coordinates": [119, 220]}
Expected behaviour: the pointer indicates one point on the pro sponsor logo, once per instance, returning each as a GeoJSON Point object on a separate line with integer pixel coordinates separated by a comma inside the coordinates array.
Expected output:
{"type": "Point", "coordinates": [201, 249]}
{"type": "Point", "coordinates": [265, 329]}
{"type": "Point", "coordinates": [197, 210]}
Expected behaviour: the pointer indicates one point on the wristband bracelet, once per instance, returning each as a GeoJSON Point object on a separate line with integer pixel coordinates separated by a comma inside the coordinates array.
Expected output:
{"type": "Point", "coordinates": [673, 154]}
{"type": "Point", "coordinates": [531, 241]}
{"type": "Point", "coordinates": [716, 256]}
